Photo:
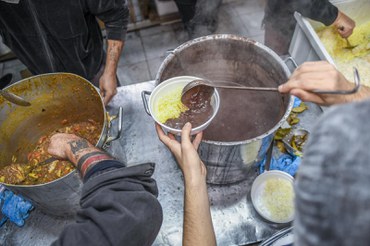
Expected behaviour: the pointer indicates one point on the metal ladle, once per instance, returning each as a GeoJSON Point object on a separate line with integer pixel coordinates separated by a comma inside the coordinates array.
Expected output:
{"type": "Point", "coordinates": [356, 78]}
{"type": "Point", "coordinates": [349, 45]}
{"type": "Point", "coordinates": [14, 98]}
{"type": "Point", "coordinates": [205, 88]}
{"type": "Point", "coordinates": [10, 96]}
{"type": "Point", "coordinates": [202, 82]}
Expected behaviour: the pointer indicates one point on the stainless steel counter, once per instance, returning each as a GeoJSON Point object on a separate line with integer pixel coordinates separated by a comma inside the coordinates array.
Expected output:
{"type": "Point", "coordinates": [234, 219]}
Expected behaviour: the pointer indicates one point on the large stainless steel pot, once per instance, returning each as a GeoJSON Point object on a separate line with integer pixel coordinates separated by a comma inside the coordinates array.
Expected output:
{"type": "Point", "coordinates": [53, 97]}
{"type": "Point", "coordinates": [239, 136]}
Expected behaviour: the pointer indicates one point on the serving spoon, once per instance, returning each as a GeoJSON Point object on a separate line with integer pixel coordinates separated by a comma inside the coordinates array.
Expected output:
{"type": "Point", "coordinates": [349, 45]}
{"type": "Point", "coordinates": [14, 98]}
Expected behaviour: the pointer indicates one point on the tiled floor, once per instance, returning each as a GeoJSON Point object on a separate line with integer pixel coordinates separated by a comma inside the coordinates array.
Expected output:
{"type": "Point", "coordinates": [146, 49]}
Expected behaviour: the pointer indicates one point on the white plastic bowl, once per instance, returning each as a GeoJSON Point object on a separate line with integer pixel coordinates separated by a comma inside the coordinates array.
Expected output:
{"type": "Point", "coordinates": [257, 187]}
{"type": "Point", "coordinates": [170, 84]}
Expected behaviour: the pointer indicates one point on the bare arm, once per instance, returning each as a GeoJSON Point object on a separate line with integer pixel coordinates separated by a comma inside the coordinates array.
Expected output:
{"type": "Point", "coordinates": [108, 81]}
{"type": "Point", "coordinates": [115, 15]}
{"type": "Point", "coordinates": [198, 227]}
{"type": "Point", "coordinates": [323, 76]}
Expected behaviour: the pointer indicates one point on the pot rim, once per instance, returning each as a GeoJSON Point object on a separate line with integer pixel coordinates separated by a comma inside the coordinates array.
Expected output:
{"type": "Point", "coordinates": [285, 68]}
{"type": "Point", "coordinates": [39, 185]}
{"type": "Point", "coordinates": [99, 143]}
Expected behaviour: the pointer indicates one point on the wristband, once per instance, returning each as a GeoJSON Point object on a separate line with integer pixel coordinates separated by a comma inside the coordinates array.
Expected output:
{"type": "Point", "coordinates": [92, 160]}
{"type": "Point", "coordinates": [85, 157]}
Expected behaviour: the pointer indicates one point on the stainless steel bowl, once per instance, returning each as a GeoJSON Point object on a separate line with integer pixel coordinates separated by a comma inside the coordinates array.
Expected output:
{"type": "Point", "coordinates": [288, 139]}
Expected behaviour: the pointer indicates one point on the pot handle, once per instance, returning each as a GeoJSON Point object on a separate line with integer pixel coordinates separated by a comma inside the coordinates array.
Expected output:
{"type": "Point", "coordinates": [291, 59]}
{"type": "Point", "coordinates": [169, 52]}
{"type": "Point", "coordinates": [145, 102]}
{"type": "Point", "coordinates": [118, 116]}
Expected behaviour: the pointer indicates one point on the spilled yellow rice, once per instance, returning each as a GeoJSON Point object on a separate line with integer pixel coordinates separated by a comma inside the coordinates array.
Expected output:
{"type": "Point", "coordinates": [169, 105]}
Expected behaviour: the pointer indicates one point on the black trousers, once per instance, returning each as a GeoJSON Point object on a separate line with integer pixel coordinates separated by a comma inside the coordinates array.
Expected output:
{"type": "Point", "coordinates": [186, 9]}
{"type": "Point", "coordinates": [199, 17]}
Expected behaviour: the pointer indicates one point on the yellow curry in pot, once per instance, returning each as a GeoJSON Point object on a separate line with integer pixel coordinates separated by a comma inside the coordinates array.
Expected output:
{"type": "Point", "coordinates": [31, 173]}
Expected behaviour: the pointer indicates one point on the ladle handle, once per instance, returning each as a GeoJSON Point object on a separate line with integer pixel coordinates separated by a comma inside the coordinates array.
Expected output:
{"type": "Point", "coordinates": [356, 87]}
{"type": "Point", "coordinates": [14, 98]}
{"type": "Point", "coordinates": [246, 88]}
{"type": "Point", "coordinates": [291, 59]}
{"type": "Point", "coordinates": [356, 77]}
{"type": "Point", "coordinates": [269, 156]}
{"type": "Point", "coordinates": [47, 161]}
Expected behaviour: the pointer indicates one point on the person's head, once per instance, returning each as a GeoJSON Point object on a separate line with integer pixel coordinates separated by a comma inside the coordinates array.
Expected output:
{"type": "Point", "coordinates": [333, 182]}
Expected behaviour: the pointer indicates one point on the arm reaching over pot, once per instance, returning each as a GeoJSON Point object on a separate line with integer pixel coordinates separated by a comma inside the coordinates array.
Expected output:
{"type": "Point", "coordinates": [321, 75]}
{"type": "Point", "coordinates": [198, 228]}
{"type": "Point", "coordinates": [280, 23]}
{"type": "Point", "coordinates": [344, 25]}
{"type": "Point", "coordinates": [72, 147]}
{"type": "Point", "coordinates": [117, 202]}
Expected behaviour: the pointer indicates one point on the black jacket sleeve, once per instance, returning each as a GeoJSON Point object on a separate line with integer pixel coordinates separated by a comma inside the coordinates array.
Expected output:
{"type": "Point", "coordinates": [118, 207]}
{"type": "Point", "coordinates": [319, 10]}
{"type": "Point", "coordinates": [281, 12]}
{"type": "Point", "coordinates": [114, 14]}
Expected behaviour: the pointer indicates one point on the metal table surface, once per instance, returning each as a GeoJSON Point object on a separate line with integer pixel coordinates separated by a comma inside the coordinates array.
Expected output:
{"type": "Point", "coordinates": [234, 219]}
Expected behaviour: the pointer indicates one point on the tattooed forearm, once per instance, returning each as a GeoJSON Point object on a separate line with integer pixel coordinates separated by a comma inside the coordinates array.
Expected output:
{"type": "Point", "coordinates": [114, 50]}
{"type": "Point", "coordinates": [78, 145]}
